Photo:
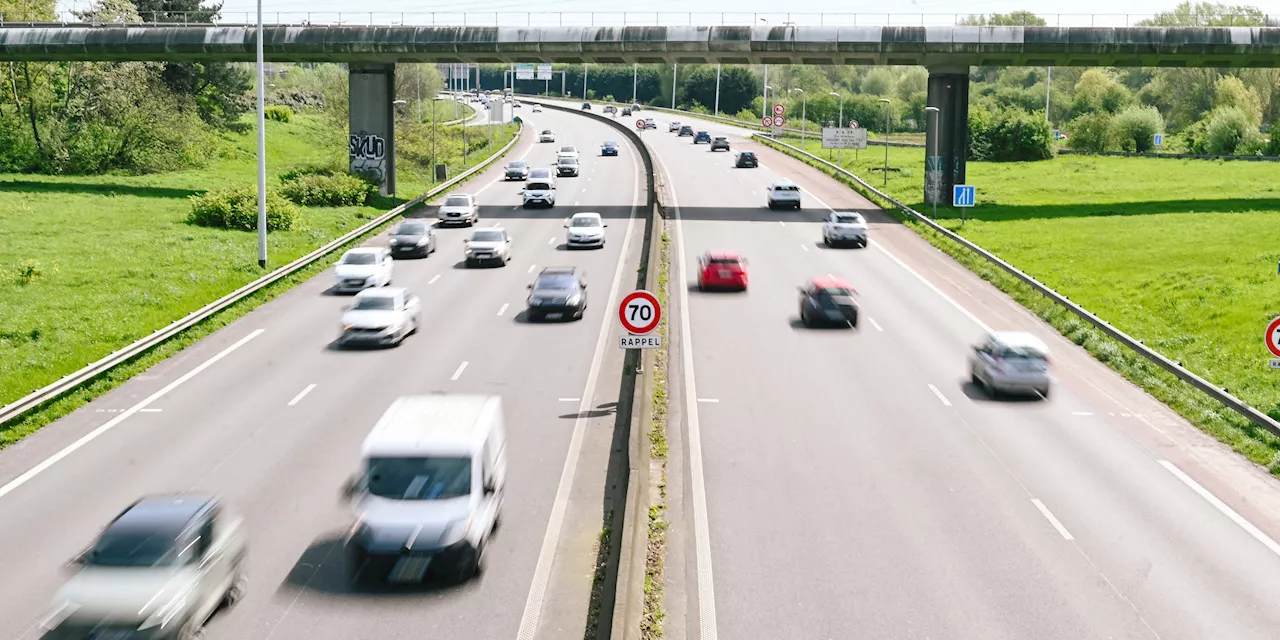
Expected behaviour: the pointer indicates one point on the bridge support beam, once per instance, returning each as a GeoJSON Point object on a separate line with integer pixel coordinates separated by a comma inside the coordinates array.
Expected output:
{"type": "Point", "coordinates": [372, 120]}
{"type": "Point", "coordinates": [946, 133]}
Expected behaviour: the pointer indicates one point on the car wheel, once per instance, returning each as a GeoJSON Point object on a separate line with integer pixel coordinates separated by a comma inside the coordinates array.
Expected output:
{"type": "Point", "coordinates": [468, 566]}
{"type": "Point", "coordinates": [973, 378]}
{"type": "Point", "coordinates": [853, 321]}
{"type": "Point", "coordinates": [534, 316]}
{"type": "Point", "coordinates": [239, 585]}
{"type": "Point", "coordinates": [826, 240]}
{"type": "Point", "coordinates": [1044, 393]}
{"type": "Point", "coordinates": [771, 205]}
{"type": "Point", "coordinates": [577, 315]}
{"type": "Point", "coordinates": [192, 630]}
{"type": "Point", "coordinates": [804, 317]}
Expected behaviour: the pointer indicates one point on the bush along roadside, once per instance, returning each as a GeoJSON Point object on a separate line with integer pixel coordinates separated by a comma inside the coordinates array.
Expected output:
{"type": "Point", "coordinates": [237, 208]}
{"type": "Point", "coordinates": [655, 550]}
{"type": "Point", "coordinates": [1244, 437]}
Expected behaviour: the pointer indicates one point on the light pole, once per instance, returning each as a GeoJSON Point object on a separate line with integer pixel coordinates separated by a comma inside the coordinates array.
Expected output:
{"type": "Point", "coordinates": [1048, 86]}
{"type": "Point", "coordinates": [675, 77]}
{"type": "Point", "coordinates": [839, 122]}
{"type": "Point", "coordinates": [418, 76]}
{"type": "Point", "coordinates": [635, 75]}
{"type": "Point", "coordinates": [765, 97]}
{"type": "Point", "coordinates": [934, 176]}
{"type": "Point", "coordinates": [768, 113]}
{"type": "Point", "coordinates": [262, 152]}
{"type": "Point", "coordinates": [886, 102]}
{"type": "Point", "coordinates": [584, 81]}
{"type": "Point", "coordinates": [717, 107]}
{"type": "Point", "coordinates": [804, 110]}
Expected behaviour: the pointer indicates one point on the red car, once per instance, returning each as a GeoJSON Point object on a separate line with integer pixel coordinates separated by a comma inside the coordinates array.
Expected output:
{"type": "Point", "coordinates": [722, 270]}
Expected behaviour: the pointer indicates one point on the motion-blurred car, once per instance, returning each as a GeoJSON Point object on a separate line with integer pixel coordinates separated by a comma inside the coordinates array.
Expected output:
{"type": "Point", "coordinates": [649, 123]}
{"type": "Point", "coordinates": [413, 238]}
{"type": "Point", "coordinates": [675, 127]}
{"type": "Point", "coordinates": [784, 193]}
{"type": "Point", "coordinates": [488, 245]}
{"type": "Point", "coordinates": [720, 143]}
{"type": "Point", "coordinates": [537, 108]}
{"type": "Point", "coordinates": [828, 301]}
{"type": "Point", "coordinates": [516, 170]}
{"type": "Point", "coordinates": [626, 111]}
{"type": "Point", "coordinates": [746, 159]}
{"type": "Point", "coordinates": [362, 268]}
{"type": "Point", "coordinates": [586, 106]}
{"type": "Point", "coordinates": [515, 104]}
{"type": "Point", "coordinates": [159, 570]}
{"type": "Point", "coordinates": [1011, 362]}
{"type": "Point", "coordinates": [845, 227]}
{"type": "Point", "coordinates": [557, 292]}
{"type": "Point", "coordinates": [702, 136]}
{"type": "Point", "coordinates": [459, 208]}
{"type": "Point", "coordinates": [685, 130]}
{"type": "Point", "coordinates": [722, 270]}
{"type": "Point", "coordinates": [635, 107]}
{"type": "Point", "coordinates": [586, 229]}
{"type": "Point", "coordinates": [567, 150]}
{"type": "Point", "coordinates": [546, 136]}
{"type": "Point", "coordinates": [567, 166]}
{"type": "Point", "coordinates": [609, 148]}
{"type": "Point", "coordinates": [610, 109]}
{"type": "Point", "coordinates": [383, 316]}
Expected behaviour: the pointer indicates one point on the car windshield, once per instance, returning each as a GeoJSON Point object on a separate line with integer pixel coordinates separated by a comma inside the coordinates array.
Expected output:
{"type": "Point", "coordinates": [567, 150]}
{"type": "Point", "coordinates": [518, 164]}
{"type": "Point", "coordinates": [373, 303]}
{"type": "Point", "coordinates": [836, 292]}
{"type": "Point", "coordinates": [723, 260]}
{"type": "Point", "coordinates": [586, 222]}
{"type": "Point", "coordinates": [457, 201]}
{"type": "Point", "coordinates": [786, 187]}
{"type": "Point", "coordinates": [411, 229]}
{"type": "Point", "coordinates": [135, 548]}
{"type": "Point", "coordinates": [568, 160]}
{"type": "Point", "coordinates": [558, 282]}
{"type": "Point", "coordinates": [1021, 353]}
{"type": "Point", "coordinates": [704, 133]}
{"type": "Point", "coordinates": [433, 478]}
{"type": "Point", "coordinates": [359, 258]}
{"type": "Point", "coordinates": [547, 131]}
{"type": "Point", "coordinates": [746, 154]}
{"type": "Point", "coordinates": [610, 143]}
{"type": "Point", "coordinates": [539, 186]}
{"type": "Point", "coordinates": [720, 138]}
{"type": "Point", "coordinates": [486, 236]}
{"type": "Point", "coordinates": [848, 218]}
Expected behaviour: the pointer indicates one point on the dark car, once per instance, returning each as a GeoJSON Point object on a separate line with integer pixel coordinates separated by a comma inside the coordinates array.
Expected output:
{"type": "Point", "coordinates": [516, 170]}
{"type": "Point", "coordinates": [413, 238]}
{"type": "Point", "coordinates": [609, 148]}
{"type": "Point", "coordinates": [586, 106]}
{"type": "Point", "coordinates": [746, 159]}
{"type": "Point", "coordinates": [567, 166]}
{"type": "Point", "coordinates": [720, 143]}
{"type": "Point", "coordinates": [556, 293]}
{"type": "Point", "coordinates": [702, 136]}
{"type": "Point", "coordinates": [626, 111]}
{"type": "Point", "coordinates": [685, 130]}
{"type": "Point", "coordinates": [828, 301]}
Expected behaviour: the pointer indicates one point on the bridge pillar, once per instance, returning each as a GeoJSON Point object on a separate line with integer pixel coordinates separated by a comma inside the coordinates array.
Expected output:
{"type": "Point", "coordinates": [372, 121]}
{"type": "Point", "coordinates": [946, 133]}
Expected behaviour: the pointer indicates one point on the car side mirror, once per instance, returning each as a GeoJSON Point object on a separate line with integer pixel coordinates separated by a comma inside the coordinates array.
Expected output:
{"type": "Point", "coordinates": [583, 285]}
{"type": "Point", "coordinates": [466, 241]}
{"type": "Point", "coordinates": [79, 560]}
{"type": "Point", "coordinates": [800, 289]}
{"type": "Point", "coordinates": [350, 487]}
{"type": "Point", "coordinates": [529, 287]}
{"type": "Point", "coordinates": [604, 225]}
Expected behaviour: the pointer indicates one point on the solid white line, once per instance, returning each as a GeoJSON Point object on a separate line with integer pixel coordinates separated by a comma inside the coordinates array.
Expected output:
{"type": "Point", "coordinates": [708, 400]}
{"type": "Point", "coordinates": [531, 268]}
{"type": "Point", "coordinates": [433, 280]}
{"type": "Point", "coordinates": [1081, 413]}
{"type": "Point", "coordinates": [546, 555]}
{"type": "Point", "coordinates": [806, 248]}
{"type": "Point", "coordinates": [504, 308]}
{"type": "Point", "coordinates": [1258, 535]}
{"type": "Point", "coordinates": [782, 223]}
{"type": "Point", "coordinates": [151, 410]}
{"type": "Point", "coordinates": [875, 324]}
{"type": "Point", "coordinates": [701, 523]}
{"type": "Point", "coordinates": [570, 399]}
{"type": "Point", "coordinates": [940, 396]}
{"type": "Point", "coordinates": [458, 374]}
{"type": "Point", "coordinates": [552, 240]}
{"type": "Point", "coordinates": [301, 394]}
{"type": "Point", "coordinates": [1052, 520]}
{"type": "Point", "coordinates": [89, 437]}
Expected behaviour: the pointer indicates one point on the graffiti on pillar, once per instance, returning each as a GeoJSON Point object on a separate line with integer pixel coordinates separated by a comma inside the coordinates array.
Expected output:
{"type": "Point", "coordinates": [933, 168]}
{"type": "Point", "coordinates": [368, 154]}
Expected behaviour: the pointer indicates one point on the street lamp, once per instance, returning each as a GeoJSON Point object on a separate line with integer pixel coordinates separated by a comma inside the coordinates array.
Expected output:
{"type": "Point", "coordinates": [886, 102]}
{"type": "Point", "coordinates": [768, 112]}
{"type": "Point", "coordinates": [262, 152]}
{"type": "Point", "coordinates": [839, 122]}
{"type": "Point", "coordinates": [804, 111]}
{"type": "Point", "coordinates": [934, 176]}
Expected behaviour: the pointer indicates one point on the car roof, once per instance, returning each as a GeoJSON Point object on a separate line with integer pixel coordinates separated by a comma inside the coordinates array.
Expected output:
{"type": "Point", "coordinates": [721, 138]}
{"type": "Point", "coordinates": [481, 230]}
{"type": "Point", "coordinates": [163, 512]}
{"type": "Point", "coordinates": [381, 292]}
{"type": "Point", "coordinates": [724, 255]}
{"type": "Point", "coordinates": [830, 282]}
{"type": "Point", "coordinates": [1019, 339]}
{"type": "Point", "coordinates": [431, 423]}
{"type": "Point", "coordinates": [847, 213]}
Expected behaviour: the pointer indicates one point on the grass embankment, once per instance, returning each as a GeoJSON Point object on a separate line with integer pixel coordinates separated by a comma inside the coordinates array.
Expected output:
{"type": "Point", "coordinates": [1177, 253]}
{"type": "Point", "coordinates": [656, 549]}
{"type": "Point", "coordinates": [89, 264]}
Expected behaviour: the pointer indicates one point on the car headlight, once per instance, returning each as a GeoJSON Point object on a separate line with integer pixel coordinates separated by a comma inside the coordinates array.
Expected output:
{"type": "Point", "coordinates": [467, 251]}
{"type": "Point", "coordinates": [422, 241]}
{"type": "Point", "coordinates": [370, 279]}
{"type": "Point", "coordinates": [165, 614]}
{"type": "Point", "coordinates": [58, 614]}
{"type": "Point", "coordinates": [575, 298]}
{"type": "Point", "coordinates": [458, 531]}
{"type": "Point", "coordinates": [395, 241]}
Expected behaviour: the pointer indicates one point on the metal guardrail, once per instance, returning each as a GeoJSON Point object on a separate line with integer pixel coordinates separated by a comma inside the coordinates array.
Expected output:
{"type": "Point", "coordinates": [229, 16]}
{"type": "Point", "coordinates": [1220, 395]}
{"type": "Point", "coordinates": [72, 381]}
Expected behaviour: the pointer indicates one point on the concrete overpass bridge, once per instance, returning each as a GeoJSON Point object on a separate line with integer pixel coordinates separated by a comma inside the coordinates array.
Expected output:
{"type": "Point", "coordinates": [947, 51]}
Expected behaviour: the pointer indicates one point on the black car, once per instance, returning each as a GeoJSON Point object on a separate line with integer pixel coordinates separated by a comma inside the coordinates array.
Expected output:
{"type": "Point", "coordinates": [746, 159]}
{"type": "Point", "coordinates": [685, 130]}
{"type": "Point", "coordinates": [609, 148]}
{"type": "Point", "coordinates": [567, 166]}
{"type": "Point", "coordinates": [556, 293]}
{"type": "Point", "coordinates": [413, 238]}
{"type": "Point", "coordinates": [626, 111]}
{"type": "Point", "coordinates": [586, 106]}
{"type": "Point", "coordinates": [828, 301]}
{"type": "Point", "coordinates": [516, 170]}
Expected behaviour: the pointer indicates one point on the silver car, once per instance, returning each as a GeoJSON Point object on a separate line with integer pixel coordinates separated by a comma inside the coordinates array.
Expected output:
{"type": "Point", "coordinates": [384, 316]}
{"type": "Point", "coordinates": [459, 208]}
{"type": "Point", "coordinates": [491, 245]}
{"type": "Point", "coordinates": [1011, 362]}
{"type": "Point", "coordinates": [158, 571]}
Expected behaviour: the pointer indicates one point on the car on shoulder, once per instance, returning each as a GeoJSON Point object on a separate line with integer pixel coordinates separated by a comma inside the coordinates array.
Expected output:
{"type": "Point", "coordinates": [674, 127]}
{"type": "Point", "coordinates": [585, 229]}
{"type": "Point", "coordinates": [626, 111]}
{"type": "Point", "coordinates": [380, 317]}
{"type": "Point", "coordinates": [845, 227]}
{"type": "Point", "coordinates": [537, 108]}
{"type": "Point", "coordinates": [649, 123]}
{"type": "Point", "coordinates": [720, 143]}
{"type": "Point", "coordinates": [546, 136]}
{"type": "Point", "coordinates": [685, 130]}
{"type": "Point", "coordinates": [557, 293]}
{"type": "Point", "coordinates": [827, 301]}
{"type": "Point", "coordinates": [361, 268]}
{"type": "Point", "coordinates": [489, 245]}
{"type": "Point", "coordinates": [722, 270]}
{"type": "Point", "coordinates": [609, 148]}
{"type": "Point", "coordinates": [746, 159]}
{"type": "Point", "coordinates": [1012, 362]}
{"type": "Point", "coordinates": [160, 569]}
{"type": "Point", "coordinates": [459, 208]}
{"type": "Point", "coordinates": [413, 238]}
{"type": "Point", "coordinates": [586, 106]}
{"type": "Point", "coordinates": [567, 166]}
{"type": "Point", "coordinates": [784, 194]}
{"type": "Point", "coordinates": [516, 170]}
{"type": "Point", "coordinates": [702, 136]}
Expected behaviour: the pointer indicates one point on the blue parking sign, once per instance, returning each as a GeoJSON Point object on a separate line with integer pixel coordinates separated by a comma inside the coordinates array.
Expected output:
{"type": "Point", "coordinates": [1159, 140]}
{"type": "Point", "coordinates": [964, 196]}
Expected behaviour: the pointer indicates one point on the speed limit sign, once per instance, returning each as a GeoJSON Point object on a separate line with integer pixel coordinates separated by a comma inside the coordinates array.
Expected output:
{"type": "Point", "coordinates": [639, 312]}
{"type": "Point", "coordinates": [640, 124]}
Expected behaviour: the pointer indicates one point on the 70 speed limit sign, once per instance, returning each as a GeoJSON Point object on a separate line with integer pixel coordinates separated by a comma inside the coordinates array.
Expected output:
{"type": "Point", "coordinates": [639, 313]}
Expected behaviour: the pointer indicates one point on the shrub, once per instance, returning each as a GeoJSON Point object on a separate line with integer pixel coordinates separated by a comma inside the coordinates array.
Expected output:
{"type": "Point", "coordinates": [1273, 147]}
{"type": "Point", "coordinates": [1009, 135]}
{"type": "Point", "coordinates": [297, 99]}
{"type": "Point", "coordinates": [237, 208]}
{"type": "Point", "coordinates": [1091, 132]}
{"type": "Point", "coordinates": [748, 115]}
{"type": "Point", "coordinates": [340, 190]}
{"type": "Point", "coordinates": [278, 112]}
{"type": "Point", "coordinates": [1136, 127]}
{"type": "Point", "coordinates": [311, 170]}
{"type": "Point", "coordinates": [1228, 130]}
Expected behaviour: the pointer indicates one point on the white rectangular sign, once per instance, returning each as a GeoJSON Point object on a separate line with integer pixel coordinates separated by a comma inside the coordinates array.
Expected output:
{"type": "Point", "coordinates": [1275, 363]}
{"type": "Point", "coordinates": [844, 138]}
{"type": "Point", "coordinates": [524, 72]}
{"type": "Point", "coordinates": [651, 341]}
{"type": "Point", "coordinates": [544, 72]}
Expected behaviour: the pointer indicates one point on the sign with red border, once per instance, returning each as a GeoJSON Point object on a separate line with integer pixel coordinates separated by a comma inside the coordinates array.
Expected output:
{"type": "Point", "coordinates": [639, 312]}
{"type": "Point", "coordinates": [1273, 337]}
{"type": "Point", "coordinates": [779, 109]}
{"type": "Point", "coordinates": [779, 121]}
{"type": "Point", "coordinates": [767, 121]}
{"type": "Point", "coordinates": [640, 124]}
{"type": "Point", "coordinates": [853, 124]}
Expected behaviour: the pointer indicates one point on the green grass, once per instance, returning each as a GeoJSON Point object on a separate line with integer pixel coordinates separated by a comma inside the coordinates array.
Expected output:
{"type": "Point", "coordinates": [1177, 253]}
{"type": "Point", "coordinates": [92, 263]}
{"type": "Point", "coordinates": [655, 551]}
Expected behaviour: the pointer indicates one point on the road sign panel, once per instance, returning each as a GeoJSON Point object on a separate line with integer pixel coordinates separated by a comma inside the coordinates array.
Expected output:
{"type": "Point", "coordinates": [853, 124]}
{"type": "Point", "coordinates": [964, 196]}
{"type": "Point", "coordinates": [1273, 337]}
{"type": "Point", "coordinates": [1159, 139]}
{"type": "Point", "coordinates": [779, 109]}
{"type": "Point", "coordinates": [544, 72]}
{"type": "Point", "coordinates": [840, 138]}
{"type": "Point", "coordinates": [779, 121]}
{"type": "Point", "coordinates": [767, 121]}
{"type": "Point", "coordinates": [640, 124]}
{"type": "Point", "coordinates": [524, 71]}
{"type": "Point", "coordinates": [639, 312]}
{"type": "Point", "coordinates": [640, 342]}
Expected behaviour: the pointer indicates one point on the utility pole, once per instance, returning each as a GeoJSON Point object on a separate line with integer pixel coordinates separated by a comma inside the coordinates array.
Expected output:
{"type": "Point", "coordinates": [717, 107]}
{"type": "Point", "coordinates": [584, 81]}
{"type": "Point", "coordinates": [262, 152]}
{"type": "Point", "coordinates": [1048, 87]}
{"type": "Point", "coordinates": [635, 75]}
{"type": "Point", "coordinates": [675, 78]}
{"type": "Point", "coordinates": [764, 104]}
{"type": "Point", "coordinates": [418, 75]}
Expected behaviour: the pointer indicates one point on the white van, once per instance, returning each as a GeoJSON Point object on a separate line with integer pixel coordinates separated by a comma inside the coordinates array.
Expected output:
{"type": "Point", "coordinates": [427, 498]}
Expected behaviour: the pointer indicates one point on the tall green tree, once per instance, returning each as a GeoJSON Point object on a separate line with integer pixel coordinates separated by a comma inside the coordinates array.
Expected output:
{"type": "Point", "coordinates": [1012, 19]}
{"type": "Point", "coordinates": [1210, 14]}
{"type": "Point", "coordinates": [217, 88]}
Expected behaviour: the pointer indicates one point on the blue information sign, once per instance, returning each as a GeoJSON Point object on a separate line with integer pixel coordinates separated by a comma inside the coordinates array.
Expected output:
{"type": "Point", "coordinates": [1159, 140]}
{"type": "Point", "coordinates": [965, 195]}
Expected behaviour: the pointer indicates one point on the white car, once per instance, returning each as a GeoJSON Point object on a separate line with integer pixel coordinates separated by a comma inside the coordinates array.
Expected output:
{"type": "Point", "coordinates": [488, 245]}
{"type": "Point", "coordinates": [380, 317]}
{"type": "Point", "coordinates": [585, 229]}
{"type": "Point", "coordinates": [1011, 362]}
{"type": "Point", "coordinates": [672, 127]}
{"type": "Point", "coordinates": [459, 208]}
{"type": "Point", "coordinates": [845, 227]}
{"type": "Point", "coordinates": [784, 193]}
{"type": "Point", "coordinates": [567, 150]}
{"type": "Point", "coordinates": [546, 136]}
{"type": "Point", "coordinates": [362, 268]}
{"type": "Point", "coordinates": [539, 191]}
{"type": "Point", "coordinates": [537, 108]}
{"type": "Point", "coordinates": [650, 124]}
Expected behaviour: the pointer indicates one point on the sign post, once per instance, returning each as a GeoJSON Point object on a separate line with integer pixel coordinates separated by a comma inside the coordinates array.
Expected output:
{"type": "Point", "coordinates": [964, 196]}
{"type": "Point", "coordinates": [1273, 342]}
{"type": "Point", "coordinates": [639, 313]}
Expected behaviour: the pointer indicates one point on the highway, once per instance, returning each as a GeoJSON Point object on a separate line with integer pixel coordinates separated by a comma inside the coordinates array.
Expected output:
{"type": "Point", "coordinates": [267, 415]}
{"type": "Point", "coordinates": [851, 484]}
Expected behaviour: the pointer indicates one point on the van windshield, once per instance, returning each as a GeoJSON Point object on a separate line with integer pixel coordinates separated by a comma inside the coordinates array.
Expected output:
{"type": "Point", "coordinates": [436, 478]}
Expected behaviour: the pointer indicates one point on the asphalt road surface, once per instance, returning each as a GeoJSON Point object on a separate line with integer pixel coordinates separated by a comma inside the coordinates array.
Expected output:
{"type": "Point", "coordinates": [852, 484]}
{"type": "Point", "coordinates": [267, 415]}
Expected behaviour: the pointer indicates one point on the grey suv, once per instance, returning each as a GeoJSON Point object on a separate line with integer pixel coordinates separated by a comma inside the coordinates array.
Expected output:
{"type": "Point", "coordinates": [558, 291]}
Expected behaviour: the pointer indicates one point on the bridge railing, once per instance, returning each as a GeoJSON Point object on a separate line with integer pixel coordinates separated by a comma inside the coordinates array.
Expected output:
{"type": "Point", "coordinates": [231, 16]}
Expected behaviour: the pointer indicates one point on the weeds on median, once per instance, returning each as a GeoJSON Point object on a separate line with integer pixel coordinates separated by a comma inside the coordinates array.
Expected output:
{"type": "Point", "coordinates": [597, 580]}
{"type": "Point", "coordinates": [655, 550]}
